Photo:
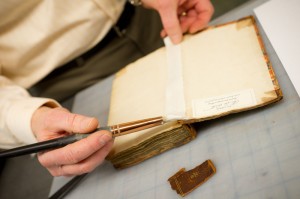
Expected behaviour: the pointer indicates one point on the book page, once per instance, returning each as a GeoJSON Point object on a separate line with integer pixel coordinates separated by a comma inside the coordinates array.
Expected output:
{"type": "Point", "coordinates": [138, 92]}
{"type": "Point", "coordinates": [225, 70]}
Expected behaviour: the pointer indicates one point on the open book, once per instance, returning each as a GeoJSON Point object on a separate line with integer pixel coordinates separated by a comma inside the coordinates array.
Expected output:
{"type": "Point", "coordinates": [221, 70]}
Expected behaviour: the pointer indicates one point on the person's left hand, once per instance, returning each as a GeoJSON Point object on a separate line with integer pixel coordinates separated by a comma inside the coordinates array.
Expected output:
{"type": "Point", "coordinates": [181, 16]}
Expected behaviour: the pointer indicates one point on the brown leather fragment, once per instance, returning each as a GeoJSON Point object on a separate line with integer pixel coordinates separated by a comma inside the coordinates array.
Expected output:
{"type": "Point", "coordinates": [183, 182]}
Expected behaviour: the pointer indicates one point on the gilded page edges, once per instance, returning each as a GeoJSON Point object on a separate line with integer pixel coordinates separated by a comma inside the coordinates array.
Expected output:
{"type": "Point", "coordinates": [277, 89]}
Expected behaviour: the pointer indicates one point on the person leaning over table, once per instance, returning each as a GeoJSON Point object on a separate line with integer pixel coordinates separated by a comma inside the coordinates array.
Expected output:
{"type": "Point", "coordinates": [53, 49]}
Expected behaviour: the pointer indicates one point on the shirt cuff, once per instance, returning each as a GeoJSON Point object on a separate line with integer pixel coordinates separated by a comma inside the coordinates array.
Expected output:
{"type": "Point", "coordinates": [20, 114]}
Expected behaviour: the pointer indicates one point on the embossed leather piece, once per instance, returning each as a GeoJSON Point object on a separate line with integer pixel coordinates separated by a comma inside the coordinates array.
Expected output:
{"type": "Point", "coordinates": [183, 182]}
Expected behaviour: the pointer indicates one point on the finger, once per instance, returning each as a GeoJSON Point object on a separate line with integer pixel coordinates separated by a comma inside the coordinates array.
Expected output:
{"type": "Point", "coordinates": [61, 120]}
{"type": "Point", "coordinates": [204, 13]}
{"type": "Point", "coordinates": [186, 21]}
{"type": "Point", "coordinates": [168, 14]}
{"type": "Point", "coordinates": [85, 166]}
{"type": "Point", "coordinates": [75, 152]}
{"type": "Point", "coordinates": [163, 34]}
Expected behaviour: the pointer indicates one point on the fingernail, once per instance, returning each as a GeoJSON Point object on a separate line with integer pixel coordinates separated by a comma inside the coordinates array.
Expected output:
{"type": "Point", "coordinates": [176, 39]}
{"type": "Point", "coordinates": [105, 138]}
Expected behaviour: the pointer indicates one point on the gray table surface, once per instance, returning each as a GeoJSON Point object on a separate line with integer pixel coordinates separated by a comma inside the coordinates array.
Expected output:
{"type": "Point", "coordinates": [256, 153]}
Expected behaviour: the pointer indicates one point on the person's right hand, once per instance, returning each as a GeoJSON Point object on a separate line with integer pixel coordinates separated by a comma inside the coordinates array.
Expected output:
{"type": "Point", "coordinates": [181, 16]}
{"type": "Point", "coordinates": [77, 158]}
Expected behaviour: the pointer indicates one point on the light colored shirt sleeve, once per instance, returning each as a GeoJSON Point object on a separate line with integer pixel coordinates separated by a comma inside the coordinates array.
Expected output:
{"type": "Point", "coordinates": [37, 36]}
{"type": "Point", "coordinates": [16, 110]}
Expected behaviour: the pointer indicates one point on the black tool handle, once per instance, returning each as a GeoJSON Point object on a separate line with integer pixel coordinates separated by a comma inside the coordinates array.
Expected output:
{"type": "Point", "coordinates": [46, 145]}
{"type": "Point", "coordinates": [41, 146]}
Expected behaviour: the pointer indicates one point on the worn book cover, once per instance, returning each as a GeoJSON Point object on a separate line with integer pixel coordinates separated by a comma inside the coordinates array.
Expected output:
{"type": "Point", "coordinates": [221, 70]}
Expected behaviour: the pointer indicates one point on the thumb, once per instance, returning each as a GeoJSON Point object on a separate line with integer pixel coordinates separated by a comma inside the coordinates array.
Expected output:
{"type": "Point", "coordinates": [58, 120]}
{"type": "Point", "coordinates": [70, 122]}
{"type": "Point", "coordinates": [170, 21]}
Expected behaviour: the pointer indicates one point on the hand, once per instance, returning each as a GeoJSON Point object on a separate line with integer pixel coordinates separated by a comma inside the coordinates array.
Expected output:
{"type": "Point", "coordinates": [181, 16]}
{"type": "Point", "coordinates": [76, 158]}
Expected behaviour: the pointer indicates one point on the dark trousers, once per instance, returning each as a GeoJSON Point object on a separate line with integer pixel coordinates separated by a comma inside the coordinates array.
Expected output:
{"type": "Point", "coordinates": [136, 34]}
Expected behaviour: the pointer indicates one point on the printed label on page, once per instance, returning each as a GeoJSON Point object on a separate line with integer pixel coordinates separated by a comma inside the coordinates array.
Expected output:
{"type": "Point", "coordinates": [224, 103]}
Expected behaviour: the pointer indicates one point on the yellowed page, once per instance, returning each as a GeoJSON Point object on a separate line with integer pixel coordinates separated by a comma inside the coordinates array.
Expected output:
{"type": "Point", "coordinates": [139, 90]}
{"type": "Point", "coordinates": [138, 93]}
{"type": "Point", "coordinates": [222, 62]}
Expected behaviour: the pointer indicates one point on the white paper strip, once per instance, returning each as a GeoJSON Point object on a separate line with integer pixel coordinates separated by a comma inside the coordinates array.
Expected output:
{"type": "Point", "coordinates": [175, 103]}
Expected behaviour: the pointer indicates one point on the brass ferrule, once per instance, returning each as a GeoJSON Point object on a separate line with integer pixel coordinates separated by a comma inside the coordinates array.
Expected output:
{"type": "Point", "coordinates": [130, 127]}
